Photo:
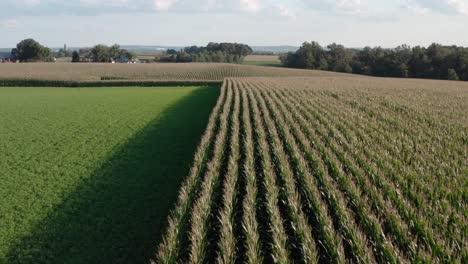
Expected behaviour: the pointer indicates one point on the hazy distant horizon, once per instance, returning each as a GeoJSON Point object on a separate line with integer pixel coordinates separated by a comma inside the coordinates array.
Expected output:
{"type": "Point", "coordinates": [256, 48]}
{"type": "Point", "coordinates": [353, 23]}
{"type": "Point", "coordinates": [150, 45]}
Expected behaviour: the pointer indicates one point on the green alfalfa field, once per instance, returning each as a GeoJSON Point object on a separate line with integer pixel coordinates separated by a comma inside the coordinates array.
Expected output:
{"type": "Point", "coordinates": [88, 175]}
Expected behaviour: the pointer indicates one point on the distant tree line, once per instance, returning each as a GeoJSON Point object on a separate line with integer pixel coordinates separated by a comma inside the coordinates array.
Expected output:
{"type": "Point", "coordinates": [263, 53]}
{"type": "Point", "coordinates": [433, 62]}
{"type": "Point", "coordinates": [29, 50]}
{"type": "Point", "coordinates": [213, 52]}
{"type": "Point", "coordinates": [61, 53]}
{"type": "Point", "coordinates": [103, 53]}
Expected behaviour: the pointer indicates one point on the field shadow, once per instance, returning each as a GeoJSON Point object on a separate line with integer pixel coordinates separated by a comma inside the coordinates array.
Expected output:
{"type": "Point", "coordinates": [120, 212]}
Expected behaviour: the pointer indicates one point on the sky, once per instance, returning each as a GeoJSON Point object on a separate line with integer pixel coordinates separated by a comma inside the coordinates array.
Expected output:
{"type": "Point", "coordinates": [353, 23]}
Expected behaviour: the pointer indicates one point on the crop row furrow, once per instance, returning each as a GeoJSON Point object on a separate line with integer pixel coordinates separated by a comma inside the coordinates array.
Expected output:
{"type": "Point", "coordinates": [442, 201]}
{"type": "Point", "coordinates": [412, 156]}
{"type": "Point", "coordinates": [383, 249]}
{"type": "Point", "coordinates": [410, 185]}
{"type": "Point", "coordinates": [392, 191]}
{"type": "Point", "coordinates": [320, 170]}
{"type": "Point", "coordinates": [300, 233]}
{"type": "Point", "coordinates": [354, 240]}
{"type": "Point", "coordinates": [204, 209]}
{"type": "Point", "coordinates": [172, 246]}
{"type": "Point", "coordinates": [277, 247]}
{"type": "Point", "coordinates": [253, 245]}
{"type": "Point", "coordinates": [227, 242]}
{"type": "Point", "coordinates": [379, 181]}
{"type": "Point", "coordinates": [391, 222]}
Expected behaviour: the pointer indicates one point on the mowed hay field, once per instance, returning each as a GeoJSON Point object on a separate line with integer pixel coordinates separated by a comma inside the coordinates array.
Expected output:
{"type": "Point", "coordinates": [145, 72]}
{"type": "Point", "coordinates": [89, 175]}
{"type": "Point", "coordinates": [327, 170]}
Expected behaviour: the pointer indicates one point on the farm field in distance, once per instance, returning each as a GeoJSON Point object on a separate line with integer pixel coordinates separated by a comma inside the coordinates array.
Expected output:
{"type": "Point", "coordinates": [327, 170]}
{"type": "Point", "coordinates": [262, 60]}
{"type": "Point", "coordinates": [146, 72]}
{"type": "Point", "coordinates": [88, 175]}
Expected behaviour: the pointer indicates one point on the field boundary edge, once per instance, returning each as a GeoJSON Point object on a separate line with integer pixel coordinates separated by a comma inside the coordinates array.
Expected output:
{"type": "Point", "coordinates": [71, 84]}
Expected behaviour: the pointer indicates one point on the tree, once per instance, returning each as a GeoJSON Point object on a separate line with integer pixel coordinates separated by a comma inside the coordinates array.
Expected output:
{"type": "Point", "coordinates": [309, 56]}
{"type": "Point", "coordinates": [184, 57]}
{"type": "Point", "coordinates": [171, 51]}
{"type": "Point", "coordinates": [435, 62]}
{"type": "Point", "coordinates": [114, 52]}
{"type": "Point", "coordinates": [438, 55]}
{"type": "Point", "coordinates": [452, 75]}
{"type": "Point", "coordinates": [14, 54]}
{"type": "Point", "coordinates": [287, 59]}
{"type": "Point", "coordinates": [126, 55]}
{"type": "Point", "coordinates": [420, 64]}
{"type": "Point", "coordinates": [339, 58]}
{"type": "Point", "coordinates": [192, 49]}
{"type": "Point", "coordinates": [213, 52]}
{"type": "Point", "coordinates": [29, 50]}
{"type": "Point", "coordinates": [76, 56]}
{"type": "Point", "coordinates": [403, 70]}
{"type": "Point", "coordinates": [100, 53]}
{"type": "Point", "coordinates": [462, 63]}
{"type": "Point", "coordinates": [218, 56]}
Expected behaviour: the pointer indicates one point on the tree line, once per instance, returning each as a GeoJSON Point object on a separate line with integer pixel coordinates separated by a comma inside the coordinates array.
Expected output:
{"type": "Point", "coordinates": [103, 53]}
{"type": "Point", "coordinates": [213, 52]}
{"type": "Point", "coordinates": [433, 62]}
{"type": "Point", "coordinates": [29, 50]}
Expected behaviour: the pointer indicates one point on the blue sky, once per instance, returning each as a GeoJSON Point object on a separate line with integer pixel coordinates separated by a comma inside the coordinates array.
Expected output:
{"type": "Point", "coordinates": [354, 23]}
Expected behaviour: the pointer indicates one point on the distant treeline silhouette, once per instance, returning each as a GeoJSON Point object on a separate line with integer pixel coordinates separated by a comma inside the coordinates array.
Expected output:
{"type": "Point", "coordinates": [213, 52]}
{"type": "Point", "coordinates": [434, 62]}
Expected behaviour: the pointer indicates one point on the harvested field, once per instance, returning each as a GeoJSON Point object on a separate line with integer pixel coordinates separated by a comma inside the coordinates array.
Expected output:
{"type": "Point", "coordinates": [327, 170]}
{"type": "Point", "coordinates": [145, 72]}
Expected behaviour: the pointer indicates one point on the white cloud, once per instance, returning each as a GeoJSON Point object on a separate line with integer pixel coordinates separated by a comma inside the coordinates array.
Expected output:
{"type": "Point", "coordinates": [164, 5]}
{"type": "Point", "coordinates": [250, 5]}
{"type": "Point", "coordinates": [353, 6]}
{"type": "Point", "coordinates": [209, 5]}
{"type": "Point", "coordinates": [285, 8]}
{"type": "Point", "coordinates": [348, 6]}
{"type": "Point", "coordinates": [9, 23]}
{"type": "Point", "coordinates": [460, 6]}
{"type": "Point", "coordinates": [286, 12]}
{"type": "Point", "coordinates": [448, 7]}
{"type": "Point", "coordinates": [348, 3]}
{"type": "Point", "coordinates": [416, 9]}
{"type": "Point", "coordinates": [225, 6]}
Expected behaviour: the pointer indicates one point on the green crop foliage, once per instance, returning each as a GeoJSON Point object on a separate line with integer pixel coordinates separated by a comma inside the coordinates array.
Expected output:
{"type": "Point", "coordinates": [330, 170]}
{"type": "Point", "coordinates": [88, 175]}
{"type": "Point", "coordinates": [292, 167]}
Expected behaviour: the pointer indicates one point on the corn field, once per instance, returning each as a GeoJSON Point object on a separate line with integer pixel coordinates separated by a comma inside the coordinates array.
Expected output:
{"type": "Point", "coordinates": [327, 170]}
{"type": "Point", "coordinates": [82, 72]}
